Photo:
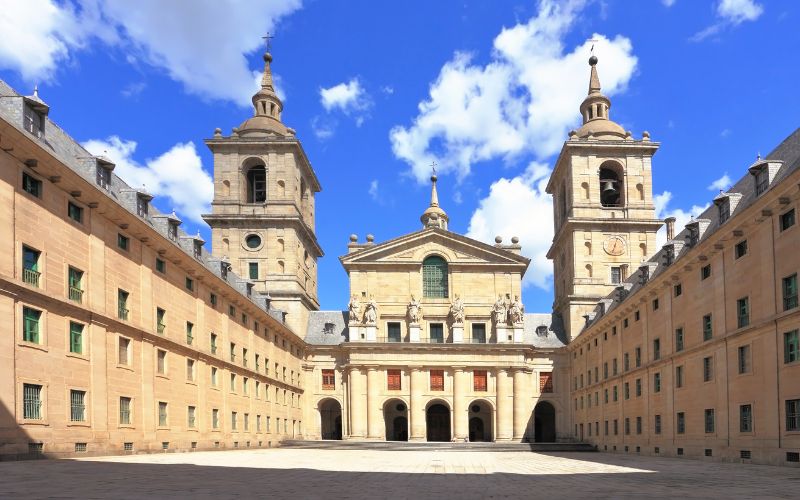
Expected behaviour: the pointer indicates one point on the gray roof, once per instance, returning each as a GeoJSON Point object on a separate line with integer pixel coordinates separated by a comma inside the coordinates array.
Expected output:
{"type": "Point", "coordinates": [551, 338]}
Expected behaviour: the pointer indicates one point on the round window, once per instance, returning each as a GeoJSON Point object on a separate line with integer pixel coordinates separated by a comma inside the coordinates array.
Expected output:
{"type": "Point", "coordinates": [253, 241]}
{"type": "Point", "coordinates": [476, 409]}
{"type": "Point", "coordinates": [400, 407]}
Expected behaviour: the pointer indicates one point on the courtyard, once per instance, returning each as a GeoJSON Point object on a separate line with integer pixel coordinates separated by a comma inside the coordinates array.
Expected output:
{"type": "Point", "coordinates": [310, 473]}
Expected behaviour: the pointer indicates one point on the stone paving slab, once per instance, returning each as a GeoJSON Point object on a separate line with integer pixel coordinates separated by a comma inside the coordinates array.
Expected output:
{"type": "Point", "coordinates": [331, 474]}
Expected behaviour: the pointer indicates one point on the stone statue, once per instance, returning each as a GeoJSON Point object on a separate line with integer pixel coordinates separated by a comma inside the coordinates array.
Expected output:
{"type": "Point", "coordinates": [355, 309]}
{"type": "Point", "coordinates": [499, 311]}
{"type": "Point", "coordinates": [414, 310]}
{"type": "Point", "coordinates": [516, 311]}
{"type": "Point", "coordinates": [371, 312]}
{"type": "Point", "coordinates": [457, 311]}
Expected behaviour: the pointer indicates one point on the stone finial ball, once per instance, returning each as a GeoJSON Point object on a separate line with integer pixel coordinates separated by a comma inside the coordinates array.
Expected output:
{"type": "Point", "coordinates": [370, 238]}
{"type": "Point", "coordinates": [498, 239]}
{"type": "Point", "coordinates": [593, 60]}
{"type": "Point", "coordinates": [217, 131]}
{"type": "Point", "coordinates": [354, 237]}
{"type": "Point", "coordinates": [514, 240]}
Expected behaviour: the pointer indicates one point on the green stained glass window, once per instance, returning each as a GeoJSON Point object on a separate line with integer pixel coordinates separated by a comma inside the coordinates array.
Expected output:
{"type": "Point", "coordinates": [434, 277]}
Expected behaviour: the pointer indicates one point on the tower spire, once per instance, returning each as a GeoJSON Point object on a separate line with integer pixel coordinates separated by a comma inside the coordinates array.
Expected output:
{"type": "Point", "coordinates": [595, 108]}
{"type": "Point", "coordinates": [434, 216]}
{"type": "Point", "coordinates": [266, 103]}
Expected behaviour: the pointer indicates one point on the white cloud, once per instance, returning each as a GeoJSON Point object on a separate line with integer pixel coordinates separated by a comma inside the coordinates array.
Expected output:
{"type": "Point", "coordinates": [133, 89]}
{"type": "Point", "coordinates": [682, 217]}
{"type": "Point", "coordinates": [323, 127]}
{"type": "Point", "coordinates": [730, 13]}
{"type": "Point", "coordinates": [520, 207]}
{"type": "Point", "coordinates": [721, 184]}
{"type": "Point", "coordinates": [176, 174]}
{"type": "Point", "coordinates": [387, 89]}
{"type": "Point", "coordinates": [373, 189]}
{"type": "Point", "coordinates": [725, 133]}
{"type": "Point", "coordinates": [668, 3]}
{"type": "Point", "coordinates": [522, 102]}
{"type": "Point", "coordinates": [350, 98]}
{"type": "Point", "coordinates": [203, 45]}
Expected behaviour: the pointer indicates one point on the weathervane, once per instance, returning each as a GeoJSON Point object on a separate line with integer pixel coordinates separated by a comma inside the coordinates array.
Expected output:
{"type": "Point", "coordinates": [593, 40]}
{"type": "Point", "coordinates": [268, 40]}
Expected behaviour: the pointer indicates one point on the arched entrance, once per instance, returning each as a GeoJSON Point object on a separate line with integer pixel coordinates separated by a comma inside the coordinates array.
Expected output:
{"type": "Point", "coordinates": [395, 415]}
{"type": "Point", "coordinates": [437, 422]}
{"type": "Point", "coordinates": [544, 423]}
{"type": "Point", "coordinates": [330, 412]}
{"type": "Point", "coordinates": [480, 421]}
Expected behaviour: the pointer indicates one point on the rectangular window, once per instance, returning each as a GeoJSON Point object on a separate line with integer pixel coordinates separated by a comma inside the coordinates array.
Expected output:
{"type": "Point", "coordinates": [787, 220]}
{"type": "Point", "coordinates": [616, 394]}
{"type": "Point", "coordinates": [708, 327]}
{"type": "Point", "coordinates": [123, 242]}
{"type": "Point", "coordinates": [709, 421]}
{"type": "Point", "coordinates": [122, 304]}
{"type": "Point", "coordinates": [616, 427]}
{"type": "Point", "coordinates": [679, 376]}
{"type": "Point", "coordinates": [678, 339]}
{"type": "Point", "coordinates": [244, 385]}
{"type": "Point", "coordinates": [161, 266]}
{"type": "Point", "coordinates": [614, 366]}
{"type": "Point", "coordinates": [656, 349]}
{"type": "Point", "coordinates": [212, 298]}
{"type": "Point", "coordinates": [190, 417]}
{"type": "Point", "coordinates": [160, 322]}
{"type": "Point", "coordinates": [31, 402]}
{"type": "Point", "coordinates": [31, 325]}
{"type": "Point", "coordinates": [789, 286]}
{"type": "Point", "coordinates": [75, 284]}
{"type": "Point", "coordinates": [31, 185]}
{"type": "Point", "coordinates": [162, 414]}
{"type": "Point", "coordinates": [478, 333]}
{"type": "Point", "coordinates": [638, 425]}
{"type": "Point", "coordinates": [678, 289]}
{"type": "Point", "coordinates": [161, 364]}
{"type": "Point", "coordinates": [627, 390]}
{"type": "Point", "coordinates": [215, 418]}
{"type": "Point", "coordinates": [626, 362]}
{"type": "Point", "coordinates": [231, 311]}
{"type": "Point", "coordinates": [328, 379]}
{"type": "Point", "coordinates": [479, 381]}
{"type": "Point", "coordinates": [124, 351]}
{"type": "Point", "coordinates": [75, 212]}
{"type": "Point", "coordinates": [655, 304]}
{"type": "Point", "coordinates": [744, 358]}
{"type": "Point", "coordinates": [708, 368]}
{"type": "Point", "coordinates": [213, 343]}
{"type": "Point", "coordinates": [740, 250]}
{"type": "Point", "coordinates": [793, 414]}
{"type": "Point", "coordinates": [605, 370]}
{"type": "Point", "coordinates": [743, 312]}
{"type": "Point", "coordinates": [75, 337]}
{"type": "Point", "coordinates": [124, 411]}
{"type": "Point", "coordinates": [393, 380]}
{"type": "Point", "coordinates": [437, 333]}
{"type": "Point", "coordinates": [616, 275]}
{"type": "Point", "coordinates": [657, 424]}
{"type": "Point", "coordinates": [638, 352]}
{"type": "Point", "coordinates": [233, 382]}
{"type": "Point", "coordinates": [214, 376]}
{"type": "Point", "coordinates": [393, 331]}
{"type": "Point", "coordinates": [233, 352]}
{"type": "Point", "coordinates": [246, 421]}
{"type": "Point", "coordinates": [190, 369]}
{"type": "Point", "coordinates": [103, 177]}
{"type": "Point", "coordinates": [638, 387]}
{"type": "Point", "coordinates": [437, 380]}
{"type": "Point", "coordinates": [627, 426]}
{"type": "Point", "coordinates": [746, 418]}
{"type": "Point", "coordinates": [681, 423]}
{"type": "Point", "coordinates": [30, 266]}
{"type": "Point", "coordinates": [705, 272]}
{"type": "Point", "coordinates": [657, 382]}
{"type": "Point", "coordinates": [189, 335]}
{"type": "Point", "coordinates": [77, 406]}
{"type": "Point", "coordinates": [189, 284]}
{"type": "Point", "coordinates": [724, 209]}
{"type": "Point", "coordinates": [791, 346]}
{"type": "Point", "coordinates": [233, 420]}
{"type": "Point", "coordinates": [252, 268]}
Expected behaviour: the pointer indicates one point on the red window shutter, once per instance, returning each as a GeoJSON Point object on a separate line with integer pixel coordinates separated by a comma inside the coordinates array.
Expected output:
{"type": "Point", "coordinates": [328, 379]}
{"type": "Point", "coordinates": [479, 380]}
{"type": "Point", "coordinates": [394, 380]}
{"type": "Point", "coordinates": [437, 380]}
{"type": "Point", "coordinates": [546, 382]}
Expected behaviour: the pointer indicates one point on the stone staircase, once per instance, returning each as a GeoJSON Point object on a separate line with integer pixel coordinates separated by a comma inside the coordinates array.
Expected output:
{"type": "Point", "coordinates": [423, 445]}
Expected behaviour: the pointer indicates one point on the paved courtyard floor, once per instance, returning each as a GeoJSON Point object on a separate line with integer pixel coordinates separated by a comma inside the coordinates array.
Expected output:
{"type": "Point", "coordinates": [330, 474]}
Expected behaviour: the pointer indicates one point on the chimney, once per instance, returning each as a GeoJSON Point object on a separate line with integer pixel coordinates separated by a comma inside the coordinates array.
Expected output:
{"type": "Point", "coordinates": [670, 221]}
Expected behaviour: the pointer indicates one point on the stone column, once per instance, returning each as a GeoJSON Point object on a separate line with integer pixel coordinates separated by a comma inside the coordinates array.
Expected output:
{"type": "Point", "coordinates": [358, 415]}
{"type": "Point", "coordinates": [375, 424]}
{"type": "Point", "coordinates": [505, 419]}
{"type": "Point", "coordinates": [460, 409]}
{"type": "Point", "coordinates": [416, 410]}
{"type": "Point", "coordinates": [522, 398]}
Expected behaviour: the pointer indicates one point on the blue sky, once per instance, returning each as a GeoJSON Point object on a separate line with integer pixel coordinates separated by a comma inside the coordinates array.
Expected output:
{"type": "Point", "coordinates": [377, 90]}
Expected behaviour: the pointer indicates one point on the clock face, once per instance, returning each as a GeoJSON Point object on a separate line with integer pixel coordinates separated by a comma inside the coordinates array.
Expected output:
{"type": "Point", "coordinates": [614, 245]}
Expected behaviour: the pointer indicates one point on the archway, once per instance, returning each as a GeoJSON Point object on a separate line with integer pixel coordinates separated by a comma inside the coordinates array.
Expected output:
{"type": "Point", "coordinates": [544, 423]}
{"type": "Point", "coordinates": [330, 412]}
{"type": "Point", "coordinates": [480, 421]}
{"type": "Point", "coordinates": [255, 173]}
{"type": "Point", "coordinates": [437, 422]}
{"type": "Point", "coordinates": [395, 416]}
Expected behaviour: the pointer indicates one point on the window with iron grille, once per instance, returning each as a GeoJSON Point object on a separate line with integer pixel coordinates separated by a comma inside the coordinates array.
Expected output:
{"type": "Point", "coordinates": [479, 380]}
{"type": "Point", "coordinates": [657, 424]}
{"type": "Point", "coordinates": [80, 447]}
{"type": "Point", "coordinates": [708, 368]}
{"type": "Point", "coordinates": [656, 349]}
{"type": "Point", "coordinates": [744, 358]}
{"type": "Point", "coordinates": [31, 185]}
{"type": "Point", "coordinates": [124, 410]}
{"type": "Point", "coordinates": [657, 382]}
{"type": "Point", "coordinates": [77, 406]}
{"type": "Point", "coordinates": [32, 402]}
{"type": "Point", "coordinates": [30, 266]}
{"type": "Point", "coordinates": [75, 337]}
{"type": "Point", "coordinates": [791, 346]}
{"type": "Point", "coordinates": [31, 325]}
{"type": "Point", "coordinates": [746, 418]}
{"type": "Point", "coordinates": [616, 275]}
{"type": "Point", "coordinates": [437, 380]}
{"type": "Point", "coordinates": [75, 284]}
{"type": "Point", "coordinates": [743, 312]}
{"type": "Point", "coordinates": [708, 327]}
{"type": "Point", "coordinates": [793, 414]}
{"type": "Point", "coordinates": [789, 286]}
{"type": "Point", "coordinates": [787, 220]}
{"type": "Point", "coordinates": [709, 421]}
{"type": "Point", "coordinates": [545, 382]}
{"type": "Point", "coordinates": [434, 277]}
{"type": "Point", "coordinates": [394, 380]}
{"type": "Point", "coordinates": [162, 414]}
{"type": "Point", "coordinates": [680, 424]}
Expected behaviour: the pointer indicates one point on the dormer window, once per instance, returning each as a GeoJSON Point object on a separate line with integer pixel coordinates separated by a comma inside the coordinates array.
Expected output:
{"type": "Point", "coordinates": [668, 256]}
{"type": "Point", "coordinates": [33, 121]}
{"type": "Point", "coordinates": [724, 209]}
{"type": "Point", "coordinates": [644, 274]}
{"type": "Point", "coordinates": [104, 168]}
{"type": "Point", "coordinates": [223, 270]}
{"type": "Point", "coordinates": [760, 175]}
{"type": "Point", "coordinates": [142, 205]}
{"type": "Point", "coordinates": [198, 249]}
{"type": "Point", "coordinates": [541, 330]}
{"type": "Point", "coordinates": [172, 231]}
{"type": "Point", "coordinates": [694, 234]}
{"type": "Point", "coordinates": [328, 329]}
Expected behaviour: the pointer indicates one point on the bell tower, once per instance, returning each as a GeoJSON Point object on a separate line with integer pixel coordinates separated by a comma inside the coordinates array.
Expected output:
{"type": "Point", "coordinates": [604, 216]}
{"type": "Point", "coordinates": [262, 219]}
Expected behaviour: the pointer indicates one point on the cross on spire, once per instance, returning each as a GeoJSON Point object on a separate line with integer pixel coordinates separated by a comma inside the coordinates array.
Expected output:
{"type": "Point", "coordinates": [268, 40]}
{"type": "Point", "coordinates": [593, 40]}
{"type": "Point", "coordinates": [433, 167]}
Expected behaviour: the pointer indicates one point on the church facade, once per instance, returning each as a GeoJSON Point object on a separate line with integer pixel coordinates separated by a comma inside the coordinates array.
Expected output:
{"type": "Point", "coordinates": [128, 336]}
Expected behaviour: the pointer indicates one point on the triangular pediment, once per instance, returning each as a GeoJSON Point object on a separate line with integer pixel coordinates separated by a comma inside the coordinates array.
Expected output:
{"type": "Point", "coordinates": [413, 248]}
